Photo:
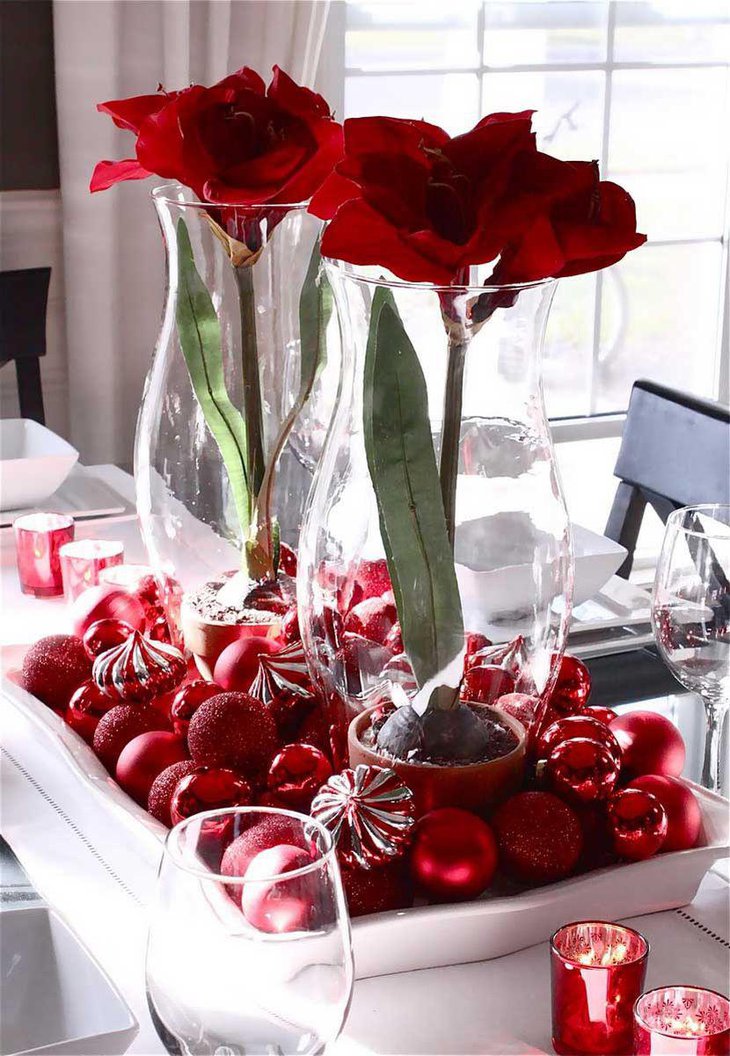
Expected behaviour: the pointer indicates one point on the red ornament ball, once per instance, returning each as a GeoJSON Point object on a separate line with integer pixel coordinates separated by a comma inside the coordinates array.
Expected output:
{"type": "Point", "coordinates": [278, 906]}
{"type": "Point", "coordinates": [238, 664]}
{"type": "Point", "coordinates": [144, 758]}
{"type": "Point", "coordinates": [234, 730]}
{"type": "Point", "coordinates": [54, 668]}
{"type": "Point", "coordinates": [540, 837]}
{"type": "Point", "coordinates": [268, 831]}
{"type": "Point", "coordinates": [296, 774]}
{"type": "Point", "coordinates": [85, 708]}
{"type": "Point", "coordinates": [106, 602]}
{"type": "Point", "coordinates": [454, 855]}
{"type": "Point", "coordinates": [582, 770]}
{"type": "Point", "coordinates": [187, 700]}
{"type": "Point", "coordinates": [572, 687]}
{"type": "Point", "coordinates": [372, 580]}
{"type": "Point", "coordinates": [684, 817]}
{"type": "Point", "coordinates": [290, 631]}
{"type": "Point", "coordinates": [520, 706]}
{"type": "Point", "coordinates": [314, 729]}
{"type": "Point", "coordinates": [650, 743]}
{"type": "Point", "coordinates": [373, 618]}
{"type": "Point", "coordinates": [208, 788]}
{"type": "Point", "coordinates": [105, 634]}
{"type": "Point", "coordinates": [485, 684]}
{"type": "Point", "coordinates": [139, 670]}
{"type": "Point", "coordinates": [637, 822]}
{"type": "Point", "coordinates": [377, 890]}
{"type": "Point", "coordinates": [119, 726]}
{"type": "Point", "coordinates": [163, 787]}
{"type": "Point", "coordinates": [581, 725]}
{"type": "Point", "coordinates": [605, 715]}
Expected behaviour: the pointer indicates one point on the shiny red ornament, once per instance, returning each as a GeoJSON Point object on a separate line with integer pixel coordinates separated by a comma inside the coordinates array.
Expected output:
{"type": "Point", "coordinates": [106, 602]}
{"type": "Point", "coordinates": [581, 770]}
{"type": "Point", "coordinates": [85, 708]}
{"type": "Point", "coordinates": [369, 812]}
{"type": "Point", "coordinates": [119, 726]}
{"type": "Point", "coordinates": [297, 773]}
{"type": "Point", "coordinates": [138, 670]}
{"type": "Point", "coordinates": [208, 788]}
{"type": "Point", "coordinates": [236, 667]}
{"type": "Point", "coordinates": [484, 685]}
{"type": "Point", "coordinates": [571, 726]}
{"type": "Point", "coordinates": [234, 730]}
{"type": "Point", "coordinates": [186, 702]}
{"type": "Point", "coordinates": [572, 687]}
{"type": "Point", "coordinates": [454, 855]}
{"type": "Point", "coordinates": [684, 816]}
{"type": "Point", "coordinates": [650, 743]}
{"type": "Point", "coordinates": [163, 788]}
{"type": "Point", "coordinates": [377, 890]}
{"type": "Point", "coordinates": [287, 560]}
{"type": "Point", "coordinates": [474, 643]}
{"type": "Point", "coordinates": [605, 715]}
{"type": "Point", "coordinates": [54, 668]}
{"type": "Point", "coordinates": [144, 758]}
{"type": "Point", "coordinates": [105, 634]}
{"type": "Point", "coordinates": [637, 823]}
{"type": "Point", "coordinates": [373, 618]}
{"type": "Point", "coordinates": [540, 837]}
{"type": "Point", "coordinates": [511, 657]}
{"type": "Point", "coordinates": [279, 905]}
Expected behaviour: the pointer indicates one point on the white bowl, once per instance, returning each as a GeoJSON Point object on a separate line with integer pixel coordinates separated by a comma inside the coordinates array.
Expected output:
{"type": "Point", "coordinates": [34, 463]}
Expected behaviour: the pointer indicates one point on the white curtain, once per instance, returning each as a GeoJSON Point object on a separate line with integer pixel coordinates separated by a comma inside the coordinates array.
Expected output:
{"type": "Point", "coordinates": [113, 256]}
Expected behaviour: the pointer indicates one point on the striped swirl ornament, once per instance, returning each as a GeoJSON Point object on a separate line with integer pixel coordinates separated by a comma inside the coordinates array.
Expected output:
{"type": "Point", "coordinates": [139, 670]}
{"type": "Point", "coordinates": [282, 673]}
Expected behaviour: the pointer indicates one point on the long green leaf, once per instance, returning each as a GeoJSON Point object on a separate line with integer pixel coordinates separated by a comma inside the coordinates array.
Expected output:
{"type": "Point", "coordinates": [315, 309]}
{"type": "Point", "coordinates": [403, 470]}
{"type": "Point", "coordinates": [199, 334]}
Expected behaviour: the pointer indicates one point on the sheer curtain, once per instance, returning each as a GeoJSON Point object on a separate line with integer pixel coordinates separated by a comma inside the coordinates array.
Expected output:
{"type": "Point", "coordinates": [113, 256]}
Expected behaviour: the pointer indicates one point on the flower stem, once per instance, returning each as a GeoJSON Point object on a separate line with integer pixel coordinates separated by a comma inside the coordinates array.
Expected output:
{"type": "Point", "coordinates": [252, 403]}
{"type": "Point", "coordinates": [451, 430]}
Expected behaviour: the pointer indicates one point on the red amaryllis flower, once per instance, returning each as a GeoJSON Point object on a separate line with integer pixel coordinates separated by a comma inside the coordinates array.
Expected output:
{"type": "Point", "coordinates": [235, 142]}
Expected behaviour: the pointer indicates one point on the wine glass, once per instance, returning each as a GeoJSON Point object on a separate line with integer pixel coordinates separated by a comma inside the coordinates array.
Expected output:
{"type": "Point", "coordinates": [254, 963]}
{"type": "Point", "coordinates": [691, 615]}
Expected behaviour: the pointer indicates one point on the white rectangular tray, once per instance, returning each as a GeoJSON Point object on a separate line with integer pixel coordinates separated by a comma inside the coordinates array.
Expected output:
{"type": "Point", "coordinates": [431, 936]}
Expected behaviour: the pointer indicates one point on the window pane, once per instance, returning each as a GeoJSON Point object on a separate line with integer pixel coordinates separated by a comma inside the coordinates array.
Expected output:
{"type": "Point", "coordinates": [569, 107]}
{"type": "Point", "coordinates": [569, 340]}
{"type": "Point", "coordinates": [538, 33]}
{"type": "Point", "coordinates": [659, 320]}
{"type": "Point", "coordinates": [428, 36]}
{"type": "Point", "coordinates": [679, 31]}
{"type": "Point", "coordinates": [668, 148]}
{"type": "Point", "coordinates": [450, 100]}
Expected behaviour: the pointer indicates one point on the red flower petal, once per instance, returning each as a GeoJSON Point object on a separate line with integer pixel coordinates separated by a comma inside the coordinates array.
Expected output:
{"type": "Point", "coordinates": [130, 113]}
{"type": "Point", "coordinates": [295, 97]}
{"type": "Point", "coordinates": [244, 79]}
{"type": "Point", "coordinates": [391, 135]}
{"type": "Point", "coordinates": [334, 192]}
{"type": "Point", "coordinates": [107, 173]}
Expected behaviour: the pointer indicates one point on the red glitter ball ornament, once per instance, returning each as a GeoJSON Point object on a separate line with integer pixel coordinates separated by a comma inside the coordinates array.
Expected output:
{"type": "Point", "coordinates": [650, 743]}
{"type": "Point", "coordinates": [105, 634]}
{"type": "Point", "coordinates": [539, 837]}
{"type": "Point", "coordinates": [234, 730]}
{"type": "Point", "coordinates": [163, 787]}
{"type": "Point", "coordinates": [187, 700]}
{"type": "Point", "coordinates": [373, 618]}
{"type": "Point", "coordinates": [238, 664]}
{"type": "Point", "coordinates": [369, 812]}
{"type": "Point", "coordinates": [119, 726]}
{"type": "Point", "coordinates": [684, 817]}
{"type": "Point", "coordinates": [85, 708]}
{"type": "Point", "coordinates": [582, 770]}
{"type": "Point", "coordinates": [54, 668]}
{"type": "Point", "coordinates": [279, 905]}
{"type": "Point", "coordinates": [572, 687]}
{"type": "Point", "coordinates": [605, 715]}
{"type": "Point", "coordinates": [485, 684]}
{"type": "Point", "coordinates": [454, 855]}
{"type": "Point", "coordinates": [144, 758]}
{"type": "Point", "coordinates": [268, 831]}
{"type": "Point", "coordinates": [637, 822]}
{"type": "Point", "coordinates": [106, 602]}
{"type": "Point", "coordinates": [372, 580]}
{"type": "Point", "coordinates": [520, 706]}
{"type": "Point", "coordinates": [208, 788]}
{"type": "Point", "coordinates": [138, 670]}
{"type": "Point", "coordinates": [377, 890]}
{"type": "Point", "coordinates": [314, 729]}
{"type": "Point", "coordinates": [296, 774]}
{"type": "Point", "coordinates": [577, 726]}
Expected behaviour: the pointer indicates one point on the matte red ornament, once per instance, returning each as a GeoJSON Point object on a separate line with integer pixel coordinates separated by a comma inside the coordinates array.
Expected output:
{"type": "Point", "coordinates": [637, 822]}
{"type": "Point", "coordinates": [581, 770]}
{"type": "Point", "coordinates": [163, 787]}
{"type": "Point", "coordinates": [684, 816]}
{"type": "Point", "coordinates": [105, 634]}
{"type": "Point", "coordinates": [373, 618]}
{"type": "Point", "coordinates": [369, 812]}
{"type": "Point", "coordinates": [106, 602]}
{"type": "Point", "coordinates": [582, 725]}
{"type": "Point", "coordinates": [605, 715]}
{"type": "Point", "coordinates": [377, 890]}
{"type": "Point", "coordinates": [572, 687]}
{"type": "Point", "coordinates": [238, 664]}
{"type": "Point", "coordinates": [187, 700]}
{"type": "Point", "coordinates": [119, 726]}
{"type": "Point", "coordinates": [208, 788]}
{"type": "Point", "coordinates": [234, 730]}
{"type": "Point", "coordinates": [539, 837]}
{"type": "Point", "coordinates": [296, 774]}
{"type": "Point", "coordinates": [138, 670]}
{"type": "Point", "coordinates": [144, 758]}
{"type": "Point", "coordinates": [454, 855]}
{"type": "Point", "coordinates": [650, 743]}
{"type": "Point", "coordinates": [279, 905]}
{"type": "Point", "coordinates": [54, 668]}
{"type": "Point", "coordinates": [85, 708]}
{"type": "Point", "coordinates": [485, 684]}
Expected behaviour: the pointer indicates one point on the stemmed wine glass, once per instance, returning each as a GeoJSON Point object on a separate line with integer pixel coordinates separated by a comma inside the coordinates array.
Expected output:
{"type": "Point", "coordinates": [691, 615]}
{"type": "Point", "coordinates": [239, 965]}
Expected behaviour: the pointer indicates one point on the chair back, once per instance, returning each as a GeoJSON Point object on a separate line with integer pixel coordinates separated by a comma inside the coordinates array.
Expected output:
{"type": "Point", "coordinates": [23, 302]}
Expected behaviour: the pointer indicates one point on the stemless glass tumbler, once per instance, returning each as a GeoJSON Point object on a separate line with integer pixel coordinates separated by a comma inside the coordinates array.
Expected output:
{"type": "Point", "coordinates": [249, 958]}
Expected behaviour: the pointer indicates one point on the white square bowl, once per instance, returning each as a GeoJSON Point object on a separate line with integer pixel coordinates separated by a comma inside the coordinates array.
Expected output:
{"type": "Point", "coordinates": [34, 462]}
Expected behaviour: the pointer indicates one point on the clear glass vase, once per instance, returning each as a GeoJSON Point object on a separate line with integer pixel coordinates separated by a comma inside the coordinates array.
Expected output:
{"type": "Point", "coordinates": [475, 353]}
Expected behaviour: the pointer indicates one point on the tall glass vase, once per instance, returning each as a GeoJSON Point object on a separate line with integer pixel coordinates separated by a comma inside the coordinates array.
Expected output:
{"type": "Point", "coordinates": [467, 360]}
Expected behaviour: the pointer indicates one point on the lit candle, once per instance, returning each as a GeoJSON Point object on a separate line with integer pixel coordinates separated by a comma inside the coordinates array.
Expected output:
{"type": "Point", "coordinates": [82, 562]}
{"type": "Point", "coordinates": [598, 971]}
{"type": "Point", "coordinates": [38, 540]}
{"type": "Point", "coordinates": [682, 1021]}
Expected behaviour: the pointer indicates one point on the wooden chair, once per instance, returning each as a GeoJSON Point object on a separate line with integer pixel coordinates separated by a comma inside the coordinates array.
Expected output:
{"type": "Point", "coordinates": [23, 302]}
{"type": "Point", "coordinates": [675, 451]}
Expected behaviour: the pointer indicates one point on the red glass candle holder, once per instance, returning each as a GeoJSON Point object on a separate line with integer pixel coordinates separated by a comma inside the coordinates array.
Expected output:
{"type": "Point", "coordinates": [83, 560]}
{"type": "Point", "coordinates": [159, 593]}
{"type": "Point", "coordinates": [682, 1021]}
{"type": "Point", "coordinates": [598, 971]}
{"type": "Point", "coordinates": [38, 541]}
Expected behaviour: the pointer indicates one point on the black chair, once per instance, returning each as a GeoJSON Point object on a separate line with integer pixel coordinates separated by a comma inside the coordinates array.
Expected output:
{"type": "Point", "coordinates": [675, 451]}
{"type": "Point", "coordinates": [23, 302]}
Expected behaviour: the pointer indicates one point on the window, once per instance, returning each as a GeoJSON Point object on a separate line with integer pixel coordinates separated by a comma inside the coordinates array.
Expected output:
{"type": "Point", "coordinates": [643, 87]}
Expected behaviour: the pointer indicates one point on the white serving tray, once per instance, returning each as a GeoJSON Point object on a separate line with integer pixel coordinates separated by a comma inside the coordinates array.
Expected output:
{"type": "Point", "coordinates": [432, 936]}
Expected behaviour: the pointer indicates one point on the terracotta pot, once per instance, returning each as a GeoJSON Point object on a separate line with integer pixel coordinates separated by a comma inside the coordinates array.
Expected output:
{"type": "Point", "coordinates": [206, 639]}
{"type": "Point", "coordinates": [476, 786]}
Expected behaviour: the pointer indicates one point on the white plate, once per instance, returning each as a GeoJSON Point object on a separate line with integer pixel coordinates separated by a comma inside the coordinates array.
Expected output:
{"type": "Point", "coordinates": [34, 462]}
{"type": "Point", "coordinates": [431, 936]}
{"type": "Point", "coordinates": [83, 496]}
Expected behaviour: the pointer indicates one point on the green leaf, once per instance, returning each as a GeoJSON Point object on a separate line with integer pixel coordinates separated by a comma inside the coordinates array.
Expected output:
{"type": "Point", "coordinates": [403, 470]}
{"type": "Point", "coordinates": [199, 334]}
{"type": "Point", "coordinates": [315, 309]}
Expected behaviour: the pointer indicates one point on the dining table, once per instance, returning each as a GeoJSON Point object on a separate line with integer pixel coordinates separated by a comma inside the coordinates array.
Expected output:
{"type": "Point", "coordinates": [70, 851]}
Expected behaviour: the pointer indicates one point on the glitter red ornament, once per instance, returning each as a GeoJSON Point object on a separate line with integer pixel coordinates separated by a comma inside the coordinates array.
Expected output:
{"type": "Point", "coordinates": [268, 831]}
{"type": "Point", "coordinates": [581, 770]}
{"type": "Point", "coordinates": [85, 708]}
{"type": "Point", "coordinates": [520, 706]}
{"type": "Point", "coordinates": [54, 668]}
{"type": "Point", "coordinates": [208, 788]}
{"type": "Point", "coordinates": [186, 702]}
{"type": "Point", "coordinates": [138, 670]}
{"type": "Point", "coordinates": [572, 687]}
{"type": "Point", "coordinates": [237, 665]}
{"type": "Point", "coordinates": [650, 743]}
{"type": "Point", "coordinates": [163, 787]}
{"type": "Point", "coordinates": [279, 905]}
{"type": "Point", "coordinates": [234, 730]}
{"type": "Point", "coordinates": [369, 812]}
{"type": "Point", "coordinates": [106, 602]}
{"type": "Point", "coordinates": [119, 726]}
{"type": "Point", "coordinates": [454, 855]}
{"type": "Point", "coordinates": [637, 823]}
{"type": "Point", "coordinates": [581, 725]}
{"type": "Point", "coordinates": [684, 817]}
{"type": "Point", "coordinates": [296, 774]}
{"type": "Point", "coordinates": [144, 758]}
{"type": "Point", "coordinates": [377, 890]}
{"type": "Point", "coordinates": [539, 837]}
{"type": "Point", "coordinates": [105, 634]}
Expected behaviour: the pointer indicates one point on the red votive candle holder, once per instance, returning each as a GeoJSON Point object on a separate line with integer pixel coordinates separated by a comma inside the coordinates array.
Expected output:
{"type": "Point", "coordinates": [83, 560]}
{"type": "Point", "coordinates": [38, 541]}
{"type": "Point", "coordinates": [597, 972]}
{"type": "Point", "coordinates": [682, 1021]}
